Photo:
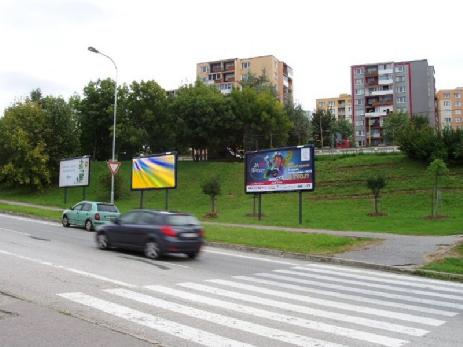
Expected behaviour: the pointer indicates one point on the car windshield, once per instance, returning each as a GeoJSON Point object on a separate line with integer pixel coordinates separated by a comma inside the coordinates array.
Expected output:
{"type": "Point", "coordinates": [107, 208]}
{"type": "Point", "coordinates": [182, 219]}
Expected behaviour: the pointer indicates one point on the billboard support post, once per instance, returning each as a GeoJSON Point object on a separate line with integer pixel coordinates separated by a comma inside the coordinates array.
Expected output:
{"type": "Point", "coordinates": [259, 213]}
{"type": "Point", "coordinates": [300, 207]}
{"type": "Point", "coordinates": [254, 196]}
{"type": "Point", "coordinates": [65, 195]}
{"type": "Point", "coordinates": [141, 198]}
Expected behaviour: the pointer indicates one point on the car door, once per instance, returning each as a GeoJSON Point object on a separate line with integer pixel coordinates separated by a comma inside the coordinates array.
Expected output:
{"type": "Point", "coordinates": [73, 214]}
{"type": "Point", "coordinates": [85, 213]}
{"type": "Point", "coordinates": [133, 232]}
{"type": "Point", "coordinates": [122, 228]}
{"type": "Point", "coordinates": [149, 227]}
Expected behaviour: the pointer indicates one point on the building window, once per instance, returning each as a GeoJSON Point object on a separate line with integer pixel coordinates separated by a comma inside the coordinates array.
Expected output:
{"type": "Point", "coordinates": [400, 78]}
{"type": "Point", "coordinates": [214, 76]}
{"type": "Point", "coordinates": [446, 95]}
{"type": "Point", "coordinates": [458, 103]}
{"type": "Point", "coordinates": [358, 81]}
{"type": "Point", "coordinates": [204, 68]}
{"type": "Point", "coordinates": [457, 112]}
{"type": "Point", "coordinates": [330, 103]}
{"type": "Point", "coordinates": [457, 96]}
{"type": "Point", "coordinates": [401, 99]}
{"type": "Point", "coordinates": [401, 89]}
{"type": "Point", "coordinates": [359, 71]}
{"type": "Point", "coordinates": [246, 65]}
{"type": "Point", "coordinates": [359, 91]}
{"type": "Point", "coordinates": [321, 104]}
{"type": "Point", "coordinates": [399, 68]}
{"type": "Point", "coordinates": [457, 120]}
{"type": "Point", "coordinates": [448, 120]}
{"type": "Point", "coordinates": [359, 102]}
{"type": "Point", "coordinates": [447, 104]}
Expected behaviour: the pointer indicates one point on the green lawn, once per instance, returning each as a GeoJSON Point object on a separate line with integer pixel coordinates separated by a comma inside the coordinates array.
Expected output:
{"type": "Point", "coordinates": [341, 200]}
{"type": "Point", "coordinates": [31, 211]}
{"type": "Point", "coordinates": [451, 264]}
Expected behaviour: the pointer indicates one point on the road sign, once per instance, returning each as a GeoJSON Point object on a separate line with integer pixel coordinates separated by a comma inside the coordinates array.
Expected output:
{"type": "Point", "coordinates": [114, 166]}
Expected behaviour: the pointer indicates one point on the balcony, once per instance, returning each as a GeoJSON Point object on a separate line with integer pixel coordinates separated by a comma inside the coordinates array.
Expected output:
{"type": "Point", "coordinates": [383, 92]}
{"type": "Point", "coordinates": [370, 73]}
{"type": "Point", "coordinates": [229, 77]}
{"type": "Point", "coordinates": [229, 66]}
{"type": "Point", "coordinates": [385, 71]}
{"type": "Point", "coordinates": [216, 67]}
{"type": "Point", "coordinates": [371, 81]}
{"type": "Point", "coordinates": [382, 82]}
{"type": "Point", "coordinates": [375, 114]}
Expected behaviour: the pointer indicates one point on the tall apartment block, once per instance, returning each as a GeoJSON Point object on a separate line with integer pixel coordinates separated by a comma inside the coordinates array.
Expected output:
{"type": "Point", "coordinates": [228, 73]}
{"type": "Point", "coordinates": [449, 108]}
{"type": "Point", "coordinates": [381, 88]}
{"type": "Point", "coordinates": [340, 107]}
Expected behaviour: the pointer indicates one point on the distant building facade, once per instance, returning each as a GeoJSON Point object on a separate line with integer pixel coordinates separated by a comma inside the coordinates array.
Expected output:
{"type": "Point", "coordinates": [449, 108]}
{"type": "Point", "coordinates": [340, 107]}
{"type": "Point", "coordinates": [228, 73]}
{"type": "Point", "coordinates": [381, 88]}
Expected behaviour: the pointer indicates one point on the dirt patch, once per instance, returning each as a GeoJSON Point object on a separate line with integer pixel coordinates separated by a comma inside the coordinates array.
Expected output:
{"type": "Point", "coordinates": [211, 215]}
{"type": "Point", "coordinates": [438, 217]}
{"type": "Point", "coordinates": [444, 251]}
{"type": "Point", "coordinates": [377, 214]}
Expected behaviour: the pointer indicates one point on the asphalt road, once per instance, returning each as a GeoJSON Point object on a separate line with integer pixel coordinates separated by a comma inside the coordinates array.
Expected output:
{"type": "Point", "coordinates": [57, 289]}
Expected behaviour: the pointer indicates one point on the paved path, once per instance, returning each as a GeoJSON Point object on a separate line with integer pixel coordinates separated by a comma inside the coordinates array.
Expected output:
{"type": "Point", "coordinates": [406, 251]}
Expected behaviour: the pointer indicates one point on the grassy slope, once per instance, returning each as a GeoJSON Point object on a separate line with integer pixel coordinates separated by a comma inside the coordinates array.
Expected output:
{"type": "Point", "coordinates": [451, 264]}
{"type": "Point", "coordinates": [341, 200]}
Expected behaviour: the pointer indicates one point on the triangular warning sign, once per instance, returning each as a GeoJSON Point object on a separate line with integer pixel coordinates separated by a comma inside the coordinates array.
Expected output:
{"type": "Point", "coordinates": [114, 166]}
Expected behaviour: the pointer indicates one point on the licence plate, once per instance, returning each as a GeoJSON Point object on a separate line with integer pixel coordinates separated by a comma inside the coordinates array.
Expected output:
{"type": "Point", "coordinates": [190, 235]}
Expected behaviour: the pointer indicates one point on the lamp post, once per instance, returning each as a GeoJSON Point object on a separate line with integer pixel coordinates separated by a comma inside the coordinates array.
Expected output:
{"type": "Point", "coordinates": [94, 50]}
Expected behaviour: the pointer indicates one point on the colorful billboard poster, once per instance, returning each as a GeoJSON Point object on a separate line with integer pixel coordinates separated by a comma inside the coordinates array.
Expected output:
{"type": "Point", "coordinates": [280, 170]}
{"type": "Point", "coordinates": [154, 172]}
{"type": "Point", "coordinates": [74, 172]}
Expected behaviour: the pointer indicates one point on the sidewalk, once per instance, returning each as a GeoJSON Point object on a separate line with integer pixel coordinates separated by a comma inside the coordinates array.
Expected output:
{"type": "Point", "coordinates": [401, 251]}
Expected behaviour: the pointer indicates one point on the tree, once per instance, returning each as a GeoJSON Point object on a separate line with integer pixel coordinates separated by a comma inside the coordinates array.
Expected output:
{"type": "Point", "coordinates": [300, 131]}
{"type": "Point", "coordinates": [212, 188]}
{"type": "Point", "coordinates": [322, 127]}
{"type": "Point", "coordinates": [393, 125]}
{"type": "Point", "coordinates": [375, 184]}
{"type": "Point", "coordinates": [343, 129]}
{"type": "Point", "coordinates": [437, 170]}
{"type": "Point", "coordinates": [23, 157]}
{"type": "Point", "coordinates": [259, 83]}
{"type": "Point", "coordinates": [96, 112]}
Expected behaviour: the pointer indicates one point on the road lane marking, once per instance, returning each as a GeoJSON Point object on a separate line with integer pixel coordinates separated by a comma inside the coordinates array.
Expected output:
{"type": "Point", "coordinates": [154, 322]}
{"type": "Point", "coordinates": [250, 257]}
{"type": "Point", "coordinates": [368, 284]}
{"type": "Point", "coordinates": [281, 318]}
{"type": "Point", "coordinates": [24, 219]}
{"type": "Point", "coordinates": [358, 290]}
{"type": "Point", "coordinates": [397, 328]}
{"type": "Point", "coordinates": [382, 280]}
{"type": "Point", "coordinates": [387, 275]}
{"type": "Point", "coordinates": [16, 232]}
{"type": "Point", "coordinates": [339, 295]}
{"type": "Point", "coordinates": [70, 269]}
{"type": "Point", "coordinates": [229, 322]}
{"type": "Point", "coordinates": [333, 304]}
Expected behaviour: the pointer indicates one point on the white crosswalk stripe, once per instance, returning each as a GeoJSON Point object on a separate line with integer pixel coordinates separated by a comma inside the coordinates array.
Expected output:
{"type": "Point", "coordinates": [360, 290]}
{"type": "Point", "coordinates": [382, 280]}
{"type": "Point", "coordinates": [310, 305]}
{"type": "Point", "coordinates": [230, 322]}
{"type": "Point", "coordinates": [369, 284]}
{"type": "Point", "coordinates": [339, 295]}
{"type": "Point", "coordinates": [182, 331]}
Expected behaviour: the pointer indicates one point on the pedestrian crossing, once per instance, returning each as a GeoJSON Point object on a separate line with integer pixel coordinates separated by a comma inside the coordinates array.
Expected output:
{"type": "Point", "coordinates": [306, 305]}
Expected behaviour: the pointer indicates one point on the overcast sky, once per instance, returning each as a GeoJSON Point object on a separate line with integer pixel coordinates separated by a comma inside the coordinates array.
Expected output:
{"type": "Point", "coordinates": [44, 42]}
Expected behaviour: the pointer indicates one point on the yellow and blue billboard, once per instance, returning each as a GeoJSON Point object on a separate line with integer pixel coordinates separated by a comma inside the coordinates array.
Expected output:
{"type": "Point", "coordinates": [155, 172]}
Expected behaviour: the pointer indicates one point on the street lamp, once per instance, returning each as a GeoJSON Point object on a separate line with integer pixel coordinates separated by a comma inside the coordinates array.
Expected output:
{"type": "Point", "coordinates": [94, 50]}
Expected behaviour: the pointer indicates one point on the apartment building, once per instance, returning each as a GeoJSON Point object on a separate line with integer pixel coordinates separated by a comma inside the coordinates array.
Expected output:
{"type": "Point", "coordinates": [381, 88]}
{"type": "Point", "coordinates": [449, 108]}
{"type": "Point", "coordinates": [340, 107]}
{"type": "Point", "coordinates": [228, 73]}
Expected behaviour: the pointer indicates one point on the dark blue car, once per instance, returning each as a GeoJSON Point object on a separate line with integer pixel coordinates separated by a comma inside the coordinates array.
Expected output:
{"type": "Point", "coordinates": [153, 232]}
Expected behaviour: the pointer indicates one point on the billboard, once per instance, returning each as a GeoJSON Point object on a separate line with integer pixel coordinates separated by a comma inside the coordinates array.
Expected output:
{"type": "Point", "coordinates": [74, 172]}
{"type": "Point", "coordinates": [280, 170]}
{"type": "Point", "coordinates": [158, 171]}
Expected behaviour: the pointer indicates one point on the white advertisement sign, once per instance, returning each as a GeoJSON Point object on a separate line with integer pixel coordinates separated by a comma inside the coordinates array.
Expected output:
{"type": "Point", "coordinates": [74, 172]}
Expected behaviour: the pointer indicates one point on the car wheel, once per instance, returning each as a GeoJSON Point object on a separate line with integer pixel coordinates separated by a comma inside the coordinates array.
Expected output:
{"type": "Point", "coordinates": [65, 221]}
{"type": "Point", "coordinates": [102, 241]}
{"type": "Point", "coordinates": [152, 250]}
{"type": "Point", "coordinates": [192, 255]}
{"type": "Point", "coordinates": [88, 225]}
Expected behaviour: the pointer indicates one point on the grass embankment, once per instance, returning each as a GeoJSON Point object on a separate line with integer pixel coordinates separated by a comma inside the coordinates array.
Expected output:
{"type": "Point", "coordinates": [341, 200]}
{"type": "Point", "coordinates": [452, 263]}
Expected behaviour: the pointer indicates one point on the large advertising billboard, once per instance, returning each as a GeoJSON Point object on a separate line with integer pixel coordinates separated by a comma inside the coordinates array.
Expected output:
{"type": "Point", "coordinates": [280, 170]}
{"type": "Point", "coordinates": [74, 172]}
{"type": "Point", "coordinates": [158, 171]}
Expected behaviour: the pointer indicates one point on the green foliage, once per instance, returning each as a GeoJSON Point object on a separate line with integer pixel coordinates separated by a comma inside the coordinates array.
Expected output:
{"type": "Point", "coordinates": [212, 188]}
{"type": "Point", "coordinates": [393, 125]}
{"type": "Point", "coordinates": [322, 128]}
{"type": "Point", "coordinates": [301, 131]}
{"type": "Point", "coordinates": [120, 190]}
{"type": "Point", "coordinates": [375, 184]}
{"type": "Point", "coordinates": [343, 129]}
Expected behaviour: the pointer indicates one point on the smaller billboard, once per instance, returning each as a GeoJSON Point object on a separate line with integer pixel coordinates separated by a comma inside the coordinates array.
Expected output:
{"type": "Point", "coordinates": [74, 172]}
{"type": "Point", "coordinates": [157, 171]}
{"type": "Point", "coordinates": [280, 170]}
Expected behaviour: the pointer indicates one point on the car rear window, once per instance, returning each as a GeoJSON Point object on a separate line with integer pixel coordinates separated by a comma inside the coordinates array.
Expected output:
{"type": "Point", "coordinates": [182, 219]}
{"type": "Point", "coordinates": [107, 208]}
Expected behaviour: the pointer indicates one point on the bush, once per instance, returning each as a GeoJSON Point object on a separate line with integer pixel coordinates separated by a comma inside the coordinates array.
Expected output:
{"type": "Point", "coordinates": [105, 191]}
{"type": "Point", "coordinates": [212, 187]}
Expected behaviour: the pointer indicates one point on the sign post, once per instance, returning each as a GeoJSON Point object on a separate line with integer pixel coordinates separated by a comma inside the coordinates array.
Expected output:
{"type": "Point", "coordinates": [280, 170]}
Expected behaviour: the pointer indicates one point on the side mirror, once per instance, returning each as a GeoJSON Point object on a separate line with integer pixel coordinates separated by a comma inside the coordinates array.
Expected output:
{"type": "Point", "coordinates": [117, 221]}
{"type": "Point", "coordinates": [71, 208]}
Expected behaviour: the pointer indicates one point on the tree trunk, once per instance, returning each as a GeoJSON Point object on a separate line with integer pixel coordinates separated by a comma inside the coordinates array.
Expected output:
{"type": "Point", "coordinates": [213, 204]}
{"type": "Point", "coordinates": [376, 203]}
